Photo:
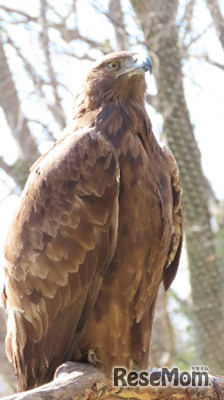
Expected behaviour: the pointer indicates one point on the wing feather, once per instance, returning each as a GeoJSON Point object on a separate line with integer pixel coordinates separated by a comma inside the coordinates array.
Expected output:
{"type": "Point", "coordinates": [59, 246]}
{"type": "Point", "coordinates": [173, 258]}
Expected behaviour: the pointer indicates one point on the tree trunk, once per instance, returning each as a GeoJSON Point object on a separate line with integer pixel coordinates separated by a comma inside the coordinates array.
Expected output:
{"type": "Point", "coordinates": [157, 19]}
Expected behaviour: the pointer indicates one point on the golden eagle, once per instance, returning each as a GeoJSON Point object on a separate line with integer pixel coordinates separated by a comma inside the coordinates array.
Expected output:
{"type": "Point", "coordinates": [98, 227]}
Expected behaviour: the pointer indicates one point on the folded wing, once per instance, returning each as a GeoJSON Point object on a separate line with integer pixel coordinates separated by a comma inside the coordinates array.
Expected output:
{"type": "Point", "coordinates": [59, 246]}
{"type": "Point", "coordinates": [173, 259]}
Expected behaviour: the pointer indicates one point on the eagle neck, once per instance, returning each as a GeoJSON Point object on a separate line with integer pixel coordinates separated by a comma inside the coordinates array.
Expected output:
{"type": "Point", "coordinates": [116, 120]}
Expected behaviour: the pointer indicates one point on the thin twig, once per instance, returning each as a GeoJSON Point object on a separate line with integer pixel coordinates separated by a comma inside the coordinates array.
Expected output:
{"type": "Point", "coordinates": [56, 108]}
{"type": "Point", "coordinates": [19, 12]}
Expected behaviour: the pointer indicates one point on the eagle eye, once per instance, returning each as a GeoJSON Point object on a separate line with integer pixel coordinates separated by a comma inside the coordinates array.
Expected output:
{"type": "Point", "coordinates": [113, 65]}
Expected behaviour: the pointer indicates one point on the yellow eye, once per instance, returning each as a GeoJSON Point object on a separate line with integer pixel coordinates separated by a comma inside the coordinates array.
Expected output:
{"type": "Point", "coordinates": [113, 65]}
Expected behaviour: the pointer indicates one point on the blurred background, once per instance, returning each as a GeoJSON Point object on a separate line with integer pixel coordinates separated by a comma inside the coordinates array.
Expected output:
{"type": "Point", "coordinates": [46, 48]}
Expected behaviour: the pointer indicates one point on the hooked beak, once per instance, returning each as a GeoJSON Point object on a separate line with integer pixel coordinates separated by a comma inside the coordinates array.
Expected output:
{"type": "Point", "coordinates": [143, 63]}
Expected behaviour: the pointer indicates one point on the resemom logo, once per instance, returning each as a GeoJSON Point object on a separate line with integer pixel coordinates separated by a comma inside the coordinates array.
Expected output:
{"type": "Point", "coordinates": [198, 376]}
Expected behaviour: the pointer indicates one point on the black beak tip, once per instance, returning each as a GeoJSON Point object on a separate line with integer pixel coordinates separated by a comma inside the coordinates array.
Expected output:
{"type": "Point", "coordinates": [148, 65]}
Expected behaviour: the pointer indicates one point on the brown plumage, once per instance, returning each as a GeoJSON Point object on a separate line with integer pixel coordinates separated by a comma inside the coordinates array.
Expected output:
{"type": "Point", "coordinates": [98, 228]}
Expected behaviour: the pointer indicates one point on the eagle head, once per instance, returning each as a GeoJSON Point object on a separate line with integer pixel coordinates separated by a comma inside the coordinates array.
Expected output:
{"type": "Point", "coordinates": [118, 76]}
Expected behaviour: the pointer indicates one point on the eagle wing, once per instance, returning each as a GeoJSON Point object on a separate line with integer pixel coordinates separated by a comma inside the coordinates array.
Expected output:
{"type": "Point", "coordinates": [174, 253]}
{"type": "Point", "coordinates": [60, 244]}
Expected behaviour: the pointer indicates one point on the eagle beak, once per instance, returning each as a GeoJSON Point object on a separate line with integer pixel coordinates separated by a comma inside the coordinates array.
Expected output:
{"type": "Point", "coordinates": [143, 63]}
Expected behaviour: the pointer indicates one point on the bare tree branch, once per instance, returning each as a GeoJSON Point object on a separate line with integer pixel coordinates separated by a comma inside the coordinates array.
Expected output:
{"type": "Point", "coordinates": [68, 35]}
{"type": "Point", "coordinates": [196, 38]}
{"type": "Point", "coordinates": [18, 171]}
{"type": "Point", "coordinates": [83, 381]}
{"type": "Point", "coordinates": [9, 101]}
{"type": "Point", "coordinates": [218, 19]}
{"type": "Point", "coordinates": [188, 14]}
{"type": "Point", "coordinates": [57, 109]}
{"type": "Point", "coordinates": [28, 18]}
{"type": "Point", "coordinates": [8, 169]}
{"type": "Point", "coordinates": [36, 79]}
{"type": "Point", "coordinates": [206, 58]}
{"type": "Point", "coordinates": [187, 18]}
{"type": "Point", "coordinates": [72, 10]}
{"type": "Point", "coordinates": [117, 18]}
{"type": "Point", "coordinates": [71, 53]}
{"type": "Point", "coordinates": [50, 134]}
